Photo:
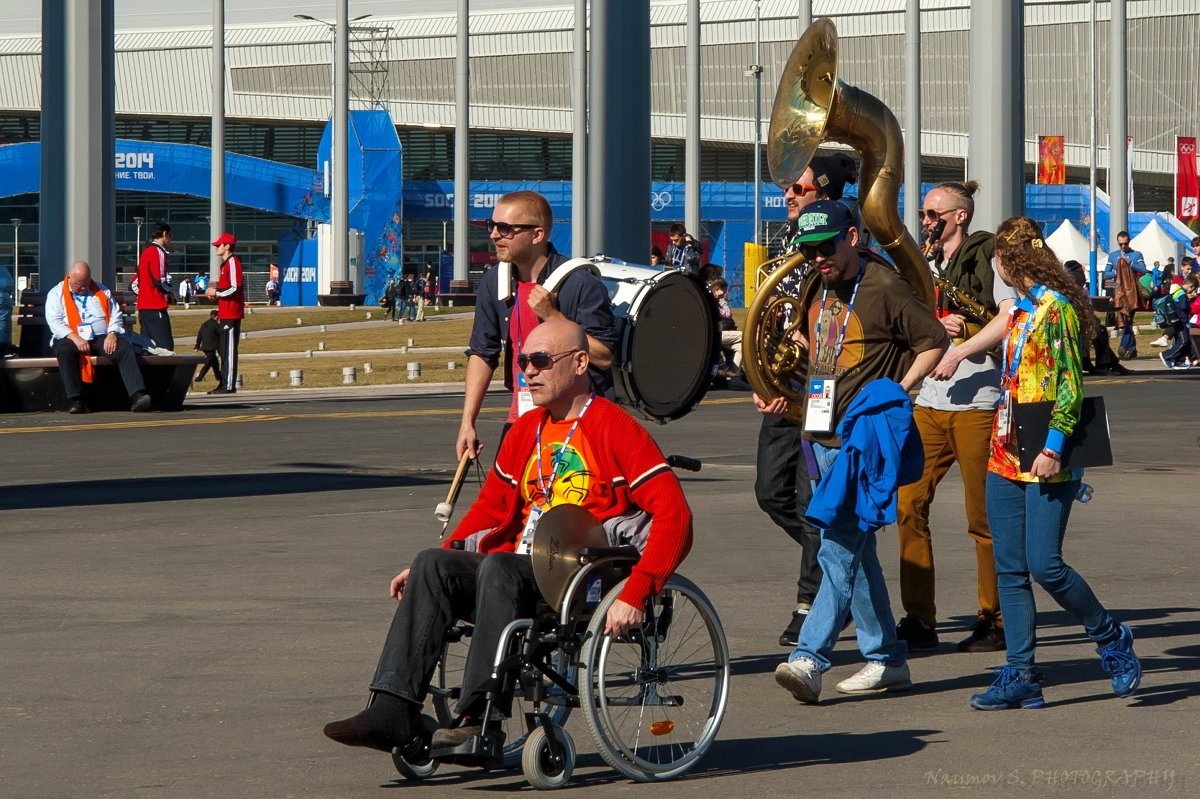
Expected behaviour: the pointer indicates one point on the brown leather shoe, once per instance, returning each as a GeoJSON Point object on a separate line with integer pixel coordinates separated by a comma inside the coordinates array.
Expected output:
{"type": "Point", "coordinates": [450, 737]}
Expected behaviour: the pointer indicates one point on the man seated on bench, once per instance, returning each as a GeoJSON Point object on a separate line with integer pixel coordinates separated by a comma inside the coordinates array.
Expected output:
{"type": "Point", "coordinates": [572, 447]}
{"type": "Point", "coordinates": [85, 320]}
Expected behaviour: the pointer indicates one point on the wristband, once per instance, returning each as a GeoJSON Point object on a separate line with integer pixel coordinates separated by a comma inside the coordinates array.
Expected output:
{"type": "Point", "coordinates": [1049, 453]}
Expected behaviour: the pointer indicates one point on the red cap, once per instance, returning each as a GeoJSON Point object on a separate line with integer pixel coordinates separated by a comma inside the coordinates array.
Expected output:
{"type": "Point", "coordinates": [225, 238]}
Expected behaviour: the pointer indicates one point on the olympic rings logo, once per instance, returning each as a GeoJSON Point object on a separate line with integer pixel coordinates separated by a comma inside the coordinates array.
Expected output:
{"type": "Point", "coordinates": [660, 200]}
{"type": "Point", "coordinates": [1187, 149]}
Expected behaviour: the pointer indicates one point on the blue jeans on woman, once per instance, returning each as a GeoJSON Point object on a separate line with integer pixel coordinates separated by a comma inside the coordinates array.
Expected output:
{"type": "Point", "coordinates": [1028, 521]}
{"type": "Point", "coordinates": [852, 581]}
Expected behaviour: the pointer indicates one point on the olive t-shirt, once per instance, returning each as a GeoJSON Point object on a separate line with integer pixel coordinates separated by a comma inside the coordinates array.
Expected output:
{"type": "Point", "coordinates": [887, 327]}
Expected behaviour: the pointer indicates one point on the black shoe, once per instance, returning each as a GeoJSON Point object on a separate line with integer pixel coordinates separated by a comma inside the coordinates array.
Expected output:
{"type": "Point", "coordinates": [984, 637]}
{"type": "Point", "coordinates": [791, 634]}
{"type": "Point", "coordinates": [141, 402]}
{"type": "Point", "coordinates": [79, 406]}
{"type": "Point", "coordinates": [916, 633]}
{"type": "Point", "coordinates": [223, 390]}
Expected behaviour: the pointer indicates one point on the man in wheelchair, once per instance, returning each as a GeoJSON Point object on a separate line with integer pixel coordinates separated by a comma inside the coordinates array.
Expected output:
{"type": "Point", "coordinates": [572, 447]}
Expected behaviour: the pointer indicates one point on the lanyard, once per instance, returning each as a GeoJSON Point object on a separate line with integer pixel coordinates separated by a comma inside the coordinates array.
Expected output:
{"type": "Point", "coordinates": [1013, 362]}
{"type": "Point", "coordinates": [558, 456]}
{"type": "Point", "coordinates": [862, 266]}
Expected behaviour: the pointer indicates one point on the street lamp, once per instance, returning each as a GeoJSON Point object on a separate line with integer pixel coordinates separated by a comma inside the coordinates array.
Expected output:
{"type": "Point", "coordinates": [138, 241]}
{"type": "Point", "coordinates": [16, 223]}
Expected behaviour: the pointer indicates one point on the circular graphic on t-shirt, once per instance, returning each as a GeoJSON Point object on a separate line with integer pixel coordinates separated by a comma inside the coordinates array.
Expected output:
{"type": "Point", "coordinates": [566, 477]}
{"type": "Point", "coordinates": [825, 346]}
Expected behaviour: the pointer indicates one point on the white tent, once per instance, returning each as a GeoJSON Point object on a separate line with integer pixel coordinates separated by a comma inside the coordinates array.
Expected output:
{"type": "Point", "coordinates": [1069, 244]}
{"type": "Point", "coordinates": [1155, 244]}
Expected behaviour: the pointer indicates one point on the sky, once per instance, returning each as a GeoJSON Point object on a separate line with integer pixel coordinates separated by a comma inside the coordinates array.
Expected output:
{"type": "Point", "coordinates": [24, 16]}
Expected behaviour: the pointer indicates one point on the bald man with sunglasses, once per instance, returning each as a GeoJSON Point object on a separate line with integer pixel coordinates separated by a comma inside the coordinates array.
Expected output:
{"type": "Point", "coordinates": [505, 315]}
{"type": "Point", "coordinates": [574, 448]}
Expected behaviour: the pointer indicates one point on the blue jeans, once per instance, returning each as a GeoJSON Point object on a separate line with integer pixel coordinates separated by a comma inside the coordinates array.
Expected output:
{"type": "Point", "coordinates": [852, 581]}
{"type": "Point", "coordinates": [1028, 521]}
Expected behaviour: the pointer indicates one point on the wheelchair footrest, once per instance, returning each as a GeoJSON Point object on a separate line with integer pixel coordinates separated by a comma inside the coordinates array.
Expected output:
{"type": "Point", "coordinates": [478, 750]}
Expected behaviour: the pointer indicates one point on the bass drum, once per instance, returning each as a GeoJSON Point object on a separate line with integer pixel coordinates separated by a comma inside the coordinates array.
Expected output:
{"type": "Point", "coordinates": [669, 342]}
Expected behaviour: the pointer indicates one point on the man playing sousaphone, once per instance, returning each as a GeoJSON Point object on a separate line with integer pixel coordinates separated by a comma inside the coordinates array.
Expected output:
{"type": "Point", "coordinates": [954, 414]}
{"type": "Point", "coordinates": [574, 447]}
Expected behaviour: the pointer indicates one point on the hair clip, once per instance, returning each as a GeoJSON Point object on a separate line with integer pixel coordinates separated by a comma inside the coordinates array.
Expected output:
{"type": "Point", "coordinates": [1037, 243]}
{"type": "Point", "coordinates": [1012, 235]}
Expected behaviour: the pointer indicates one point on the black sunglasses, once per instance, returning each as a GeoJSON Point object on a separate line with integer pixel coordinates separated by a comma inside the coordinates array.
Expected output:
{"type": "Point", "coordinates": [541, 360]}
{"type": "Point", "coordinates": [825, 248]}
{"type": "Point", "coordinates": [506, 230]}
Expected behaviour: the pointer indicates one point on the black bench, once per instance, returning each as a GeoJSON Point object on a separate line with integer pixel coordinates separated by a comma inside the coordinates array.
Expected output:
{"type": "Point", "coordinates": [33, 384]}
{"type": "Point", "coordinates": [30, 382]}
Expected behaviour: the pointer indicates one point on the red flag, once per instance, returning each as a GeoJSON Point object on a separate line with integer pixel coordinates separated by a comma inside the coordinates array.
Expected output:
{"type": "Point", "coordinates": [1187, 185]}
{"type": "Point", "coordinates": [1052, 164]}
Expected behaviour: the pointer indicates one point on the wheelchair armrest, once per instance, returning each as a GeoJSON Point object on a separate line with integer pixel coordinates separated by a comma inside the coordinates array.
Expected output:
{"type": "Point", "coordinates": [685, 463]}
{"type": "Point", "coordinates": [458, 544]}
{"type": "Point", "coordinates": [595, 553]}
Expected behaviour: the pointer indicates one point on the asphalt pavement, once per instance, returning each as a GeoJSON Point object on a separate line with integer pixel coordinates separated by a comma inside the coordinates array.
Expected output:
{"type": "Point", "coordinates": [189, 597]}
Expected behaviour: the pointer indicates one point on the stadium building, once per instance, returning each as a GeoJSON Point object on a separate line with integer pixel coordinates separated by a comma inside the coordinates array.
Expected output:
{"type": "Point", "coordinates": [279, 100]}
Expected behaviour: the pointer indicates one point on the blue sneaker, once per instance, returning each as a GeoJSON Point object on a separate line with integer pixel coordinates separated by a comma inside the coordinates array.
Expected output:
{"type": "Point", "coordinates": [1010, 689]}
{"type": "Point", "coordinates": [1121, 664]}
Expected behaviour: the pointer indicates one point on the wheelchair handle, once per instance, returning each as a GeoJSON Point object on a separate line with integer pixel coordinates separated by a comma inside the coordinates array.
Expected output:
{"type": "Point", "coordinates": [681, 462]}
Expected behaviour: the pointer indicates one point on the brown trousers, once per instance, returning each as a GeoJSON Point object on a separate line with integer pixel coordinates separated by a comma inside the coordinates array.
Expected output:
{"type": "Point", "coordinates": [947, 436]}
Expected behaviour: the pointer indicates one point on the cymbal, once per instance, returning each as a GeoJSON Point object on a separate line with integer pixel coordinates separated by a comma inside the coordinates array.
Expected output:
{"type": "Point", "coordinates": [562, 532]}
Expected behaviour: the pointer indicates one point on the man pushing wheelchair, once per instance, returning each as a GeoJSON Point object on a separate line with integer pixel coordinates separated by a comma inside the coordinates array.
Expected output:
{"type": "Point", "coordinates": [571, 448]}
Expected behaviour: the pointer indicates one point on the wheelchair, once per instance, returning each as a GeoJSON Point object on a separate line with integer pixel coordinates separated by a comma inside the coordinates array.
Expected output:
{"type": "Point", "coordinates": [652, 699]}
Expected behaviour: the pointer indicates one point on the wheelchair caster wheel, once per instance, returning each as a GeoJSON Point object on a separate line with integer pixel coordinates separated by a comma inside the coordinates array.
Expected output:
{"type": "Point", "coordinates": [421, 766]}
{"type": "Point", "coordinates": [542, 769]}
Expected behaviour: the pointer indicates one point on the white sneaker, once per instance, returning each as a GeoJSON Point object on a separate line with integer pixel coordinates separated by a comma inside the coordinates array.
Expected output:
{"type": "Point", "coordinates": [802, 678]}
{"type": "Point", "coordinates": [877, 676]}
{"type": "Point", "coordinates": [1161, 341]}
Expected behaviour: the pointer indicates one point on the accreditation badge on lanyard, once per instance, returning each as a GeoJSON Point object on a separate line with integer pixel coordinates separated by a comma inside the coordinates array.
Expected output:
{"type": "Point", "coordinates": [526, 542]}
{"type": "Point", "coordinates": [818, 412]}
{"type": "Point", "coordinates": [1012, 364]}
{"type": "Point", "coordinates": [822, 389]}
{"type": "Point", "coordinates": [524, 395]}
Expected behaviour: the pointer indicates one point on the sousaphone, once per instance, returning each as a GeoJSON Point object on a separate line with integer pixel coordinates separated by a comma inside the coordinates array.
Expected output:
{"type": "Point", "coordinates": [813, 106]}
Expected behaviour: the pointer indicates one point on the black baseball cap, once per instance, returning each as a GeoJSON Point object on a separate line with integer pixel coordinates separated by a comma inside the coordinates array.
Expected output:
{"type": "Point", "coordinates": [823, 220]}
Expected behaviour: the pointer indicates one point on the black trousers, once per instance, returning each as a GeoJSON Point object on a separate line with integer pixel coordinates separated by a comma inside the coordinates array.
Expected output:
{"type": "Point", "coordinates": [68, 365]}
{"type": "Point", "coordinates": [445, 586]}
{"type": "Point", "coordinates": [783, 491]}
{"type": "Point", "coordinates": [231, 333]}
{"type": "Point", "coordinates": [210, 362]}
{"type": "Point", "coordinates": [156, 325]}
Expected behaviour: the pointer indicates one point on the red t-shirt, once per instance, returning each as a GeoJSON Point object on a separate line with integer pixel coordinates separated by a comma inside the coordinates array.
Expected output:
{"type": "Point", "coordinates": [520, 323]}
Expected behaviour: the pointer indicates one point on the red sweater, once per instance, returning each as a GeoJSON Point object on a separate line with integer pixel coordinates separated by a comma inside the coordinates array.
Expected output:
{"type": "Point", "coordinates": [152, 271]}
{"type": "Point", "coordinates": [627, 458]}
{"type": "Point", "coordinates": [231, 293]}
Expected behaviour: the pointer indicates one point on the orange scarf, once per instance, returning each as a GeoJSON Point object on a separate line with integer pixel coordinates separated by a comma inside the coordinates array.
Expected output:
{"type": "Point", "coordinates": [86, 370]}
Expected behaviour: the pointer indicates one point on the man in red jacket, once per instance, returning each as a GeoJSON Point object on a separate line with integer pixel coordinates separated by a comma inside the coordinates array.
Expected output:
{"type": "Point", "coordinates": [154, 289]}
{"type": "Point", "coordinates": [573, 448]}
{"type": "Point", "coordinates": [230, 294]}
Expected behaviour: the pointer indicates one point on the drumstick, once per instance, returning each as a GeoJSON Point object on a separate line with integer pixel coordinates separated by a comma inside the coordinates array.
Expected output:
{"type": "Point", "coordinates": [445, 509]}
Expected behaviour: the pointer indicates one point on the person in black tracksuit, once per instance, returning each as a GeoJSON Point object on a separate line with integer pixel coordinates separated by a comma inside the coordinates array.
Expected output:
{"type": "Point", "coordinates": [208, 339]}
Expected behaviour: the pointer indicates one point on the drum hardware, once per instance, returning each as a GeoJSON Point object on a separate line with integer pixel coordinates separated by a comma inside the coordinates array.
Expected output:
{"type": "Point", "coordinates": [445, 510]}
{"type": "Point", "coordinates": [812, 106]}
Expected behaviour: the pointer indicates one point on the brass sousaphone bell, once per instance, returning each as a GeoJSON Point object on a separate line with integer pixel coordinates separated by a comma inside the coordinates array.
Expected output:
{"type": "Point", "coordinates": [813, 106]}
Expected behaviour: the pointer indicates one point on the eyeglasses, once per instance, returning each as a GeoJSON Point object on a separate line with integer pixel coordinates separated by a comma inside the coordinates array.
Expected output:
{"type": "Point", "coordinates": [506, 230]}
{"type": "Point", "coordinates": [932, 214]}
{"type": "Point", "coordinates": [541, 360]}
{"type": "Point", "coordinates": [825, 248]}
{"type": "Point", "coordinates": [802, 188]}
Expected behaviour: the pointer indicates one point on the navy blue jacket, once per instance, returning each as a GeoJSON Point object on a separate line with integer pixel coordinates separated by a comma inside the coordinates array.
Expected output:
{"type": "Point", "coordinates": [881, 451]}
{"type": "Point", "coordinates": [582, 298]}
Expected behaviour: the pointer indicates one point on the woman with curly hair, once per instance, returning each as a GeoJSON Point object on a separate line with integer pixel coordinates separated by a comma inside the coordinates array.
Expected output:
{"type": "Point", "coordinates": [1028, 511]}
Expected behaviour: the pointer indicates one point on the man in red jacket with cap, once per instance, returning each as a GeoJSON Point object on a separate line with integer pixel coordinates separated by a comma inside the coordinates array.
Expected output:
{"type": "Point", "coordinates": [572, 448]}
{"type": "Point", "coordinates": [230, 294]}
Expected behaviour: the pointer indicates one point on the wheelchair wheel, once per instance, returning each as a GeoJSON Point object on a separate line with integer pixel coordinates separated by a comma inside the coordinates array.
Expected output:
{"type": "Point", "coordinates": [446, 685]}
{"type": "Point", "coordinates": [544, 771]}
{"type": "Point", "coordinates": [654, 698]}
{"type": "Point", "coordinates": [414, 771]}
